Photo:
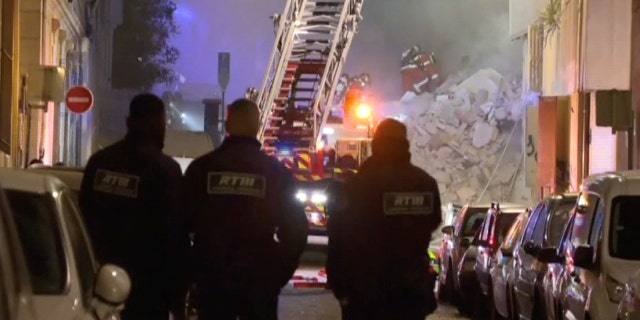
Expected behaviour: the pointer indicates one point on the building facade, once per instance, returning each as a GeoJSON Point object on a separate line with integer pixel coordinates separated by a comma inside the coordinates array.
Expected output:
{"type": "Point", "coordinates": [53, 58]}
{"type": "Point", "coordinates": [107, 15]}
{"type": "Point", "coordinates": [49, 46]}
{"type": "Point", "coordinates": [588, 55]}
{"type": "Point", "coordinates": [9, 62]}
{"type": "Point", "coordinates": [523, 14]}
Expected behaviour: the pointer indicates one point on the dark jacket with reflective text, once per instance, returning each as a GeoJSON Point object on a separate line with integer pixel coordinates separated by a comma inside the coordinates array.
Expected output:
{"type": "Point", "coordinates": [130, 202]}
{"type": "Point", "coordinates": [237, 198]}
{"type": "Point", "coordinates": [379, 236]}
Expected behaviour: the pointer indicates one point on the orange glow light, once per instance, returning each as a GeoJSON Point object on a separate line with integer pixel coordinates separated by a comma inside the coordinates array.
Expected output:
{"type": "Point", "coordinates": [363, 111]}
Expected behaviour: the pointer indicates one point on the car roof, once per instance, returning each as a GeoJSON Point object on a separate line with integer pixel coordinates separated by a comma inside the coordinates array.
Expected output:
{"type": "Point", "coordinates": [22, 180]}
{"type": "Point", "coordinates": [71, 176]}
{"type": "Point", "coordinates": [502, 205]}
{"type": "Point", "coordinates": [563, 195]}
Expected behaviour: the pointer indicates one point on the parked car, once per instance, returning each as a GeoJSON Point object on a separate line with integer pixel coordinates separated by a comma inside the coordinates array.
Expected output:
{"type": "Point", "coordinates": [456, 241]}
{"type": "Point", "coordinates": [553, 284]}
{"type": "Point", "coordinates": [629, 307]}
{"type": "Point", "coordinates": [70, 176]}
{"type": "Point", "coordinates": [492, 233]}
{"type": "Point", "coordinates": [15, 288]}
{"type": "Point", "coordinates": [65, 281]}
{"type": "Point", "coordinates": [601, 253]}
{"type": "Point", "coordinates": [502, 275]}
{"type": "Point", "coordinates": [544, 230]}
{"type": "Point", "coordinates": [467, 280]}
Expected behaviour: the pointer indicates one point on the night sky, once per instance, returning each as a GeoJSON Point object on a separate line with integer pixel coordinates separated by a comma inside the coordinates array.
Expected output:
{"type": "Point", "coordinates": [452, 29]}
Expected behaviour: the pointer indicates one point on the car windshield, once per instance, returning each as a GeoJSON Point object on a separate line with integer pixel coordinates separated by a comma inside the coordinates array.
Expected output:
{"type": "Point", "coordinates": [314, 185]}
{"type": "Point", "coordinates": [473, 220]}
{"type": "Point", "coordinates": [39, 232]}
{"type": "Point", "coordinates": [558, 219]}
{"type": "Point", "coordinates": [625, 225]}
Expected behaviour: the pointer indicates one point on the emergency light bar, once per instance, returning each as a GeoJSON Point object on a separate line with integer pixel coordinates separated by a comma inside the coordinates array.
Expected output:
{"type": "Point", "coordinates": [285, 149]}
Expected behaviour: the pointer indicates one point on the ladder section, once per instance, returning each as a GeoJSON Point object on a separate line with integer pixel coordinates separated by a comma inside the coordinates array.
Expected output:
{"type": "Point", "coordinates": [295, 95]}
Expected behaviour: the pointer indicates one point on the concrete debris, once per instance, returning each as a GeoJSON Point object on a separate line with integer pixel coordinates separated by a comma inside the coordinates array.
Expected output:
{"type": "Point", "coordinates": [459, 136]}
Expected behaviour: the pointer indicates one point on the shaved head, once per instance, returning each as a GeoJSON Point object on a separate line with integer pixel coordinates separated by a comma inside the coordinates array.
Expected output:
{"type": "Point", "coordinates": [243, 118]}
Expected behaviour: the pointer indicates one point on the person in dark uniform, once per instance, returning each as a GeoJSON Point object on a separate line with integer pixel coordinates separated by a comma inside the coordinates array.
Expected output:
{"type": "Point", "coordinates": [378, 267]}
{"type": "Point", "coordinates": [130, 200]}
{"type": "Point", "coordinates": [237, 199]}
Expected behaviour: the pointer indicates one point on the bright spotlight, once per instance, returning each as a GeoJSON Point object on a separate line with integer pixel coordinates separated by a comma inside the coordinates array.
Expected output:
{"type": "Point", "coordinates": [363, 111]}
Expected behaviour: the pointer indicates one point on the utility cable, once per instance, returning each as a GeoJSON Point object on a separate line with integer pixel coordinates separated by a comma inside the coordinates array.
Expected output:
{"type": "Point", "coordinates": [495, 169]}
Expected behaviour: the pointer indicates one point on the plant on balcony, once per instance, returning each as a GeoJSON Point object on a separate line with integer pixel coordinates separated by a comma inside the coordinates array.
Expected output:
{"type": "Point", "coordinates": [551, 17]}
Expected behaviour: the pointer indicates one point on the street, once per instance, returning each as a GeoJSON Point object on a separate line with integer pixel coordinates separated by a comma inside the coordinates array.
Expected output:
{"type": "Point", "coordinates": [319, 304]}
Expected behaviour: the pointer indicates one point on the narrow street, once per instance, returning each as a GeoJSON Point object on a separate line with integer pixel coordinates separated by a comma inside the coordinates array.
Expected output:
{"type": "Point", "coordinates": [319, 304]}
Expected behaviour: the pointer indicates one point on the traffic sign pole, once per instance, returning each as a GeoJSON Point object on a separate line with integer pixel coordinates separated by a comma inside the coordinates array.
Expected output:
{"type": "Point", "coordinates": [224, 76]}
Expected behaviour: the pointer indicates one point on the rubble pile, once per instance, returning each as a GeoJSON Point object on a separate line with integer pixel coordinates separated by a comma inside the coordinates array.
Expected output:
{"type": "Point", "coordinates": [465, 133]}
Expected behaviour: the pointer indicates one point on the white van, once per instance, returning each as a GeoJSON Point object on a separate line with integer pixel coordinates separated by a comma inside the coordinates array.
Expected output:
{"type": "Point", "coordinates": [601, 248]}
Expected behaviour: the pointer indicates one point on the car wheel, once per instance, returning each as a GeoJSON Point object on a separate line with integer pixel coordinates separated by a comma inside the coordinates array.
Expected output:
{"type": "Point", "coordinates": [445, 293]}
{"type": "Point", "coordinates": [493, 312]}
{"type": "Point", "coordinates": [515, 310]}
{"type": "Point", "coordinates": [558, 312]}
{"type": "Point", "coordinates": [480, 306]}
{"type": "Point", "coordinates": [537, 313]}
{"type": "Point", "coordinates": [464, 307]}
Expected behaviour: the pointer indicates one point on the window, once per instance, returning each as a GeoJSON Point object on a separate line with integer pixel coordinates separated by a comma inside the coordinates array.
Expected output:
{"type": "Point", "coordinates": [486, 226]}
{"type": "Point", "coordinates": [504, 223]}
{"type": "Point", "coordinates": [540, 226]}
{"type": "Point", "coordinates": [598, 222]}
{"type": "Point", "coordinates": [80, 243]}
{"type": "Point", "coordinates": [566, 236]}
{"type": "Point", "coordinates": [514, 233]}
{"type": "Point", "coordinates": [624, 234]}
{"type": "Point", "coordinates": [583, 220]}
{"type": "Point", "coordinates": [39, 232]}
{"type": "Point", "coordinates": [528, 234]}
{"type": "Point", "coordinates": [473, 220]}
{"type": "Point", "coordinates": [557, 220]}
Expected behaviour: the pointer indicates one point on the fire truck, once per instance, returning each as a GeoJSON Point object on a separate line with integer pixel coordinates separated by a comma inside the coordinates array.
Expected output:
{"type": "Point", "coordinates": [298, 97]}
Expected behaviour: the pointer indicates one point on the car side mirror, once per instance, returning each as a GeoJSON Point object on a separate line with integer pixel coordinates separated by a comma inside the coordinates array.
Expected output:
{"type": "Point", "coordinates": [112, 288]}
{"type": "Point", "coordinates": [447, 230]}
{"type": "Point", "coordinates": [464, 242]}
{"type": "Point", "coordinates": [548, 255]}
{"type": "Point", "coordinates": [583, 257]}
{"type": "Point", "coordinates": [530, 248]}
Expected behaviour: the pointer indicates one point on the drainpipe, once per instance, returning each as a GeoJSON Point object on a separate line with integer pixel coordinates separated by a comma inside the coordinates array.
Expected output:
{"type": "Point", "coordinates": [584, 102]}
{"type": "Point", "coordinates": [634, 85]}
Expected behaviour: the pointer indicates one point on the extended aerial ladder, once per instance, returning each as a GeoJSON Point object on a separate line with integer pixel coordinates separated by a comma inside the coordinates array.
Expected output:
{"type": "Point", "coordinates": [313, 39]}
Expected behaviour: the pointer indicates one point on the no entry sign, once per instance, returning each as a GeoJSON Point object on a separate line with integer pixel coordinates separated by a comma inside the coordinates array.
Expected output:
{"type": "Point", "coordinates": [79, 99]}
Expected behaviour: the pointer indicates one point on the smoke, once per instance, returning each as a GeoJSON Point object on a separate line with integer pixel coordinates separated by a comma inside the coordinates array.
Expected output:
{"type": "Point", "coordinates": [461, 33]}
{"type": "Point", "coordinates": [452, 29]}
